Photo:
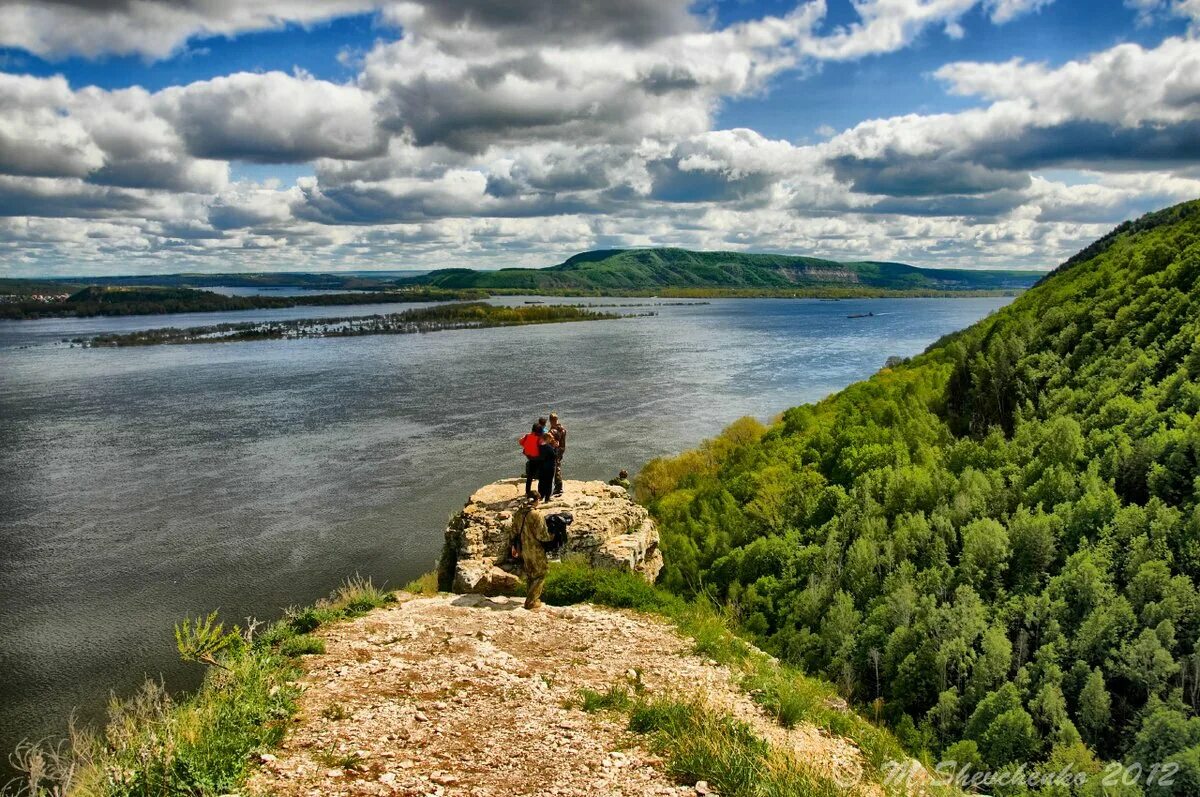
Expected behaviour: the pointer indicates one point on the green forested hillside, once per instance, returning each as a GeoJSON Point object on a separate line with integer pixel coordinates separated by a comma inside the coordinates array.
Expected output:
{"type": "Point", "coordinates": [997, 543]}
{"type": "Point", "coordinates": [641, 270]}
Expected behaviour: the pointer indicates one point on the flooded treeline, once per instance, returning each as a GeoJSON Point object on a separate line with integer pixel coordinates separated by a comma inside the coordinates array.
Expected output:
{"type": "Point", "coordinates": [470, 315]}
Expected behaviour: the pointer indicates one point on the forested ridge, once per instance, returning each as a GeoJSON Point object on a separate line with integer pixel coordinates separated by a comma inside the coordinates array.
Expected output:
{"type": "Point", "coordinates": [996, 545]}
{"type": "Point", "coordinates": [686, 272]}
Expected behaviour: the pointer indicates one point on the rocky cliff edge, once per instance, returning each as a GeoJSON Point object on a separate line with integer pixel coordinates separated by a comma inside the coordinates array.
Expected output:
{"type": "Point", "coordinates": [609, 531]}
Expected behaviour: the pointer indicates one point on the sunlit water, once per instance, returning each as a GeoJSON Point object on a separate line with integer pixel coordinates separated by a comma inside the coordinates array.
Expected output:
{"type": "Point", "coordinates": [141, 485]}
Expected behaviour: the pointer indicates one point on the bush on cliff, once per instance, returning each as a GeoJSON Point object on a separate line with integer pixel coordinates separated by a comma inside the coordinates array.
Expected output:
{"type": "Point", "coordinates": [201, 743]}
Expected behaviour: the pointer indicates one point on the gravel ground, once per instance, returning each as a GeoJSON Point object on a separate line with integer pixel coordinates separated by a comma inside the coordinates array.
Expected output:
{"type": "Point", "coordinates": [465, 695]}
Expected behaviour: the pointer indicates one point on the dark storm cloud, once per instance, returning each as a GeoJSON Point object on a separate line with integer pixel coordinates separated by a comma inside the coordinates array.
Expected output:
{"type": "Point", "coordinates": [58, 199]}
{"type": "Point", "coordinates": [670, 183]}
{"type": "Point", "coordinates": [634, 21]}
{"type": "Point", "coordinates": [987, 206]}
{"type": "Point", "coordinates": [1085, 144]}
{"type": "Point", "coordinates": [913, 176]}
{"type": "Point", "coordinates": [381, 204]}
{"type": "Point", "coordinates": [667, 78]}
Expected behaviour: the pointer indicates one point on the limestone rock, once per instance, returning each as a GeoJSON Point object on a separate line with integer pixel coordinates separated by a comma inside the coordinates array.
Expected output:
{"type": "Point", "coordinates": [609, 530]}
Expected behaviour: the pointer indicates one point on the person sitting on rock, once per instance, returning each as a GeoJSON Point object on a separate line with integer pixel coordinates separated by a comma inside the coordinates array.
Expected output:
{"type": "Point", "coordinates": [529, 526]}
{"type": "Point", "coordinates": [622, 480]}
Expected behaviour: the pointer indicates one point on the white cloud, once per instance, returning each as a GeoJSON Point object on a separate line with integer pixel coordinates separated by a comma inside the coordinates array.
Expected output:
{"type": "Point", "coordinates": [152, 28]}
{"type": "Point", "coordinates": [272, 117]}
{"type": "Point", "coordinates": [1126, 85]}
{"type": "Point", "coordinates": [885, 26]}
{"type": "Point", "coordinates": [36, 138]}
{"type": "Point", "coordinates": [1002, 11]}
{"type": "Point", "coordinates": [519, 133]}
{"type": "Point", "coordinates": [1150, 10]}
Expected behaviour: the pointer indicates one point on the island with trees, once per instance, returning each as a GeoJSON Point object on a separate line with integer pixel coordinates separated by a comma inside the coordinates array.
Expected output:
{"type": "Point", "coordinates": [473, 315]}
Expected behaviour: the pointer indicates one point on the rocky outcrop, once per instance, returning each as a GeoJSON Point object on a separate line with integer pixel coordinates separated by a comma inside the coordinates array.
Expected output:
{"type": "Point", "coordinates": [609, 531]}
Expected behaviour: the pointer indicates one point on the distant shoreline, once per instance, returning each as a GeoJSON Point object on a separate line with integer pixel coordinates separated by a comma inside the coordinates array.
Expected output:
{"type": "Point", "coordinates": [154, 300]}
{"type": "Point", "coordinates": [97, 301]}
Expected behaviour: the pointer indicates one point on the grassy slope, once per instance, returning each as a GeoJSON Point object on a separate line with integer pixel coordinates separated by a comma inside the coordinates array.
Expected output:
{"type": "Point", "coordinates": [658, 269]}
{"type": "Point", "coordinates": [205, 743]}
{"type": "Point", "coordinates": [1018, 504]}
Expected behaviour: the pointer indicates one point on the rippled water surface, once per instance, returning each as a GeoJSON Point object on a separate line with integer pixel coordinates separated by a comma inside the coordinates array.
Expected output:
{"type": "Point", "coordinates": [140, 485]}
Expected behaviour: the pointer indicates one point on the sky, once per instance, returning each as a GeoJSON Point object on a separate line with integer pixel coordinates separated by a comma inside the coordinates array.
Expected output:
{"type": "Point", "coordinates": [162, 136]}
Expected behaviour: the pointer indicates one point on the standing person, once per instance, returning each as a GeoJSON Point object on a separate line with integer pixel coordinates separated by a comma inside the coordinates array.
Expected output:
{"type": "Point", "coordinates": [531, 445]}
{"type": "Point", "coordinates": [560, 445]}
{"type": "Point", "coordinates": [530, 526]}
{"type": "Point", "coordinates": [547, 463]}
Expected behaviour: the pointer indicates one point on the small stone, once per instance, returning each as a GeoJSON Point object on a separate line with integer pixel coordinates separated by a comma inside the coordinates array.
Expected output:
{"type": "Point", "coordinates": [420, 717]}
{"type": "Point", "coordinates": [387, 778]}
{"type": "Point", "coordinates": [702, 787]}
{"type": "Point", "coordinates": [334, 773]}
{"type": "Point", "coordinates": [267, 758]}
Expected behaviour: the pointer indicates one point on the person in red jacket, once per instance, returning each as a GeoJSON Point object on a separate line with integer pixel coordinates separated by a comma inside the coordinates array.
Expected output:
{"type": "Point", "coordinates": [531, 446]}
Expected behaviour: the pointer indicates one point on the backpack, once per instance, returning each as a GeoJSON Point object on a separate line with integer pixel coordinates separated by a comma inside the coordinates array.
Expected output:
{"type": "Point", "coordinates": [557, 524]}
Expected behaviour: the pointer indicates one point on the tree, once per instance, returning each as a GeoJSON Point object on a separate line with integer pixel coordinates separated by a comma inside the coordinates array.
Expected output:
{"type": "Point", "coordinates": [1010, 739]}
{"type": "Point", "coordinates": [1034, 545]}
{"type": "Point", "coordinates": [984, 554]}
{"type": "Point", "coordinates": [1095, 706]}
{"type": "Point", "coordinates": [993, 664]}
{"type": "Point", "coordinates": [1145, 662]}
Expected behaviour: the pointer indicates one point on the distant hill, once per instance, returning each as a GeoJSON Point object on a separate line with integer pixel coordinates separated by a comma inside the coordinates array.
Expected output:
{"type": "Point", "coordinates": [682, 270]}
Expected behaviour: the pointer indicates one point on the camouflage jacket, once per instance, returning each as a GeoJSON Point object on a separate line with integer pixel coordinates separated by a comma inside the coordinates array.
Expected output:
{"type": "Point", "coordinates": [530, 526]}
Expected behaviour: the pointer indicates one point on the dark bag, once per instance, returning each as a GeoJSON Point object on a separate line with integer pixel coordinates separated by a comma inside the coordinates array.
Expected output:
{"type": "Point", "coordinates": [557, 524]}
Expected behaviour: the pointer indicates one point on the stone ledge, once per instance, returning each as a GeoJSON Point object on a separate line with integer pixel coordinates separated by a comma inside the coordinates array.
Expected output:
{"type": "Point", "coordinates": [609, 531]}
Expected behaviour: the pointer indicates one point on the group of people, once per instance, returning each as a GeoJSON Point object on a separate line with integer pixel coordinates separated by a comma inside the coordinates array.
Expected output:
{"type": "Point", "coordinates": [544, 447]}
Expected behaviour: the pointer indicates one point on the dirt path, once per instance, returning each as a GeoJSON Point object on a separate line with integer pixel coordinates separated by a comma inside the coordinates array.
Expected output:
{"type": "Point", "coordinates": [464, 695]}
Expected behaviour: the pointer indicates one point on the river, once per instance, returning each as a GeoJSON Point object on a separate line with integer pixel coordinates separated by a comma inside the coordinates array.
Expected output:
{"type": "Point", "coordinates": [141, 485]}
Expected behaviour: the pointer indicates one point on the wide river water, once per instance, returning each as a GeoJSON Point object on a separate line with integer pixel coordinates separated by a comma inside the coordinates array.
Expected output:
{"type": "Point", "coordinates": [142, 485]}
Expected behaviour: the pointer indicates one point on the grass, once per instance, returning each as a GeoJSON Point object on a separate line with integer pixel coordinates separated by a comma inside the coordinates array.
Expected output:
{"type": "Point", "coordinates": [426, 585]}
{"type": "Point", "coordinates": [699, 743]}
{"type": "Point", "coordinates": [202, 743]}
{"type": "Point", "coordinates": [787, 694]}
{"type": "Point", "coordinates": [615, 698]}
{"type": "Point", "coordinates": [334, 759]}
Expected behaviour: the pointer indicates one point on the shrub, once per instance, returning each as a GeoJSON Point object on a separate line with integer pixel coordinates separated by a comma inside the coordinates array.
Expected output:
{"type": "Point", "coordinates": [426, 584]}
{"type": "Point", "coordinates": [702, 744]}
{"type": "Point", "coordinates": [302, 644]}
